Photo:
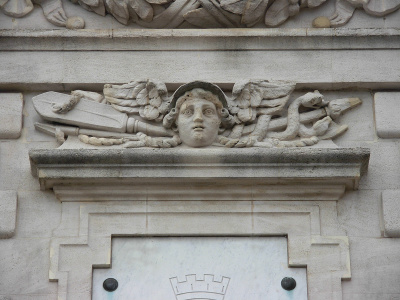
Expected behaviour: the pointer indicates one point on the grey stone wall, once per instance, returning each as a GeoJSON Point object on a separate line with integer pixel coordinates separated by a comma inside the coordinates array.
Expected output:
{"type": "Point", "coordinates": [346, 67]}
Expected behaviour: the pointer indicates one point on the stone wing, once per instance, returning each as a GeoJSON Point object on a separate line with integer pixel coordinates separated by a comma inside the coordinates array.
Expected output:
{"type": "Point", "coordinates": [146, 98]}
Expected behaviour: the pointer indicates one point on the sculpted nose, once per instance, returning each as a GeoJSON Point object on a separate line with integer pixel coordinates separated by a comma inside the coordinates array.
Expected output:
{"type": "Point", "coordinates": [198, 115]}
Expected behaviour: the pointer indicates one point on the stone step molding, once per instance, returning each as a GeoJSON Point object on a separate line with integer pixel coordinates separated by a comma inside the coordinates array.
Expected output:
{"type": "Point", "coordinates": [161, 192]}
{"type": "Point", "coordinates": [156, 173]}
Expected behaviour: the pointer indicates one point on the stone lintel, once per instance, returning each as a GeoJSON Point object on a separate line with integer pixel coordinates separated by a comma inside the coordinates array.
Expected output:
{"type": "Point", "coordinates": [185, 174]}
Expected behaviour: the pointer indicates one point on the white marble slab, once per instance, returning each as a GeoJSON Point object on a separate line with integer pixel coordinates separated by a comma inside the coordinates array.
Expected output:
{"type": "Point", "coordinates": [229, 268]}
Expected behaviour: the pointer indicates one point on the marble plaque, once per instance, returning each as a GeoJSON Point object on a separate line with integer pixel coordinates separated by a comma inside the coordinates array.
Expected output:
{"type": "Point", "coordinates": [207, 268]}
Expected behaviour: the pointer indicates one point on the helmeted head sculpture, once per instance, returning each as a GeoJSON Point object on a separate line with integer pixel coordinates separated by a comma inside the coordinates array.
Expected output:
{"type": "Point", "coordinates": [197, 112]}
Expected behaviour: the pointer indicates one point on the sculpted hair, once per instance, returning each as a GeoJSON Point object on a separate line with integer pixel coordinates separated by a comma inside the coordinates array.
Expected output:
{"type": "Point", "coordinates": [201, 94]}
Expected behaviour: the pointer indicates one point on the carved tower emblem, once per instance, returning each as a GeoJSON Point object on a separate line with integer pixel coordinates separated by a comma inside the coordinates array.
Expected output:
{"type": "Point", "coordinates": [200, 288]}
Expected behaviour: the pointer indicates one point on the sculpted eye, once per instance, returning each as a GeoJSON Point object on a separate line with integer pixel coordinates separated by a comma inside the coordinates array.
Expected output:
{"type": "Point", "coordinates": [208, 111]}
{"type": "Point", "coordinates": [187, 112]}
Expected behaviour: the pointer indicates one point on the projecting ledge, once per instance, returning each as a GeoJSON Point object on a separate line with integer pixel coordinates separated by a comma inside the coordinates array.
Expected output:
{"type": "Point", "coordinates": [205, 174]}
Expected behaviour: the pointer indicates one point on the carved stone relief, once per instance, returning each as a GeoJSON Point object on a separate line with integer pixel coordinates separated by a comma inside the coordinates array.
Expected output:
{"type": "Point", "coordinates": [157, 192]}
{"type": "Point", "coordinates": [260, 113]}
{"type": "Point", "coordinates": [199, 13]}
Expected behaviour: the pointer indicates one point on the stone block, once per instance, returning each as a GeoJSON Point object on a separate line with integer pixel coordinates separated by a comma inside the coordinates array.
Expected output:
{"type": "Point", "coordinates": [8, 213]}
{"type": "Point", "coordinates": [383, 170]}
{"type": "Point", "coordinates": [38, 214]}
{"type": "Point", "coordinates": [14, 164]}
{"type": "Point", "coordinates": [391, 212]}
{"type": "Point", "coordinates": [358, 213]}
{"type": "Point", "coordinates": [25, 269]}
{"type": "Point", "coordinates": [374, 268]}
{"type": "Point", "coordinates": [11, 115]}
{"type": "Point", "coordinates": [387, 110]}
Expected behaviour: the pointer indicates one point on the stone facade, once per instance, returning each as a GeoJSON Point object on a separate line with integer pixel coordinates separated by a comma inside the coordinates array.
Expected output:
{"type": "Point", "coordinates": [336, 202]}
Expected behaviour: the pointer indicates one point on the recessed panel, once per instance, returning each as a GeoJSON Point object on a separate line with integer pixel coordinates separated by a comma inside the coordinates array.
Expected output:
{"type": "Point", "coordinates": [201, 268]}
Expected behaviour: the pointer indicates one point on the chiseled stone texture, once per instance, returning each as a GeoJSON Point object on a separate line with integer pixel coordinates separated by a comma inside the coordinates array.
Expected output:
{"type": "Point", "coordinates": [391, 212]}
{"type": "Point", "coordinates": [375, 265]}
{"type": "Point", "coordinates": [24, 269]}
{"type": "Point", "coordinates": [11, 115]}
{"type": "Point", "coordinates": [8, 213]}
{"type": "Point", "coordinates": [15, 171]}
{"type": "Point", "coordinates": [358, 213]}
{"type": "Point", "coordinates": [383, 170]}
{"type": "Point", "coordinates": [387, 112]}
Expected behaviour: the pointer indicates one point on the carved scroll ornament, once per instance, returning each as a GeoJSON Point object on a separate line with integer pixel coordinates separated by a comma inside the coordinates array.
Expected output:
{"type": "Point", "coordinates": [199, 13]}
{"type": "Point", "coordinates": [260, 113]}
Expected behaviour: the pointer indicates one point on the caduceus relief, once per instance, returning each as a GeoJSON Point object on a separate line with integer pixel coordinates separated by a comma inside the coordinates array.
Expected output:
{"type": "Point", "coordinates": [260, 113]}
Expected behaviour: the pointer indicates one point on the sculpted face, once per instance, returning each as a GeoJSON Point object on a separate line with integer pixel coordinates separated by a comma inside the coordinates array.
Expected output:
{"type": "Point", "coordinates": [198, 122]}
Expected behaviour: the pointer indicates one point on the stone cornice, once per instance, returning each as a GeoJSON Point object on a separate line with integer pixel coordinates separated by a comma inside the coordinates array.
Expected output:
{"type": "Point", "coordinates": [197, 39]}
{"type": "Point", "coordinates": [267, 174]}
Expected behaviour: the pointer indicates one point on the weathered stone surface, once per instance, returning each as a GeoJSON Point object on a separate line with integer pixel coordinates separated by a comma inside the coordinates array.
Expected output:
{"type": "Point", "coordinates": [383, 171]}
{"type": "Point", "coordinates": [14, 170]}
{"type": "Point", "coordinates": [10, 115]}
{"type": "Point", "coordinates": [321, 22]}
{"type": "Point", "coordinates": [197, 115]}
{"type": "Point", "coordinates": [26, 261]}
{"type": "Point", "coordinates": [380, 72]}
{"type": "Point", "coordinates": [325, 256]}
{"type": "Point", "coordinates": [391, 212]}
{"type": "Point", "coordinates": [237, 259]}
{"type": "Point", "coordinates": [8, 213]}
{"type": "Point", "coordinates": [38, 214]}
{"type": "Point", "coordinates": [36, 19]}
{"type": "Point", "coordinates": [361, 121]}
{"type": "Point", "coordinates": [340, 166]}
{"type": "Point", "coordinates": [359, 213]}
{"type": "Point", "coordinates": [152, 13]}
{"type": "Point", "coordinates": [375, 269]}
{"type": "Point", "coordinates": [217, 39]}
{"type": "Point", "coordinates": [387, 111]}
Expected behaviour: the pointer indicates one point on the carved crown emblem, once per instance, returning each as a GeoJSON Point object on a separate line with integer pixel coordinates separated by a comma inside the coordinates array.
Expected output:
{"type": "Point", "coordinates": [195, 287]}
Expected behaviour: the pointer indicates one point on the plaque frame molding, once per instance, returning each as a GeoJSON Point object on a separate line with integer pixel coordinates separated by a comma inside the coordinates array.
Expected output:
{"type": "Point", "coordinates": [97, 190]}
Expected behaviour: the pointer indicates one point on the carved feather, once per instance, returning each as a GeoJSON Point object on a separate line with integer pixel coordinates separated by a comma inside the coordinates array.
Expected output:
{"type": "Point", "coordinates": [142, 8]}
{"type": "Point", "coordinates": [277, 13]}
{"type": "Point", "coordinates": [381, 8]}
{"type": "Point", "coordinates": [119, 9]}
{"type": "Point", "coordinates": [159, 2]}
{"type": "Point", "coordinates": [149, 98]}
{"type": "Point", "coordinates": [254, 11]}
{"type": "Point", "coordinates": [201, 18]}
{"type": "Point", "coordinates": [250, 96]}
{"type": "Point", "coordinates": [234, 6]}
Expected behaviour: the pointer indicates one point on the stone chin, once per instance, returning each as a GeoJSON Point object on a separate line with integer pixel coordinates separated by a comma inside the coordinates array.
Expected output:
{"type": "Point", "coordinates": [198, 139]}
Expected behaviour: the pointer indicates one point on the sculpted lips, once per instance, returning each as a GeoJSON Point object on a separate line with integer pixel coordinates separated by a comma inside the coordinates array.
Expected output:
{"type": "Point", "coordinates": [198, 127]}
